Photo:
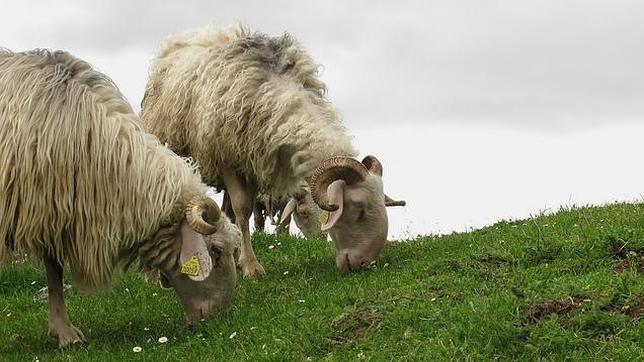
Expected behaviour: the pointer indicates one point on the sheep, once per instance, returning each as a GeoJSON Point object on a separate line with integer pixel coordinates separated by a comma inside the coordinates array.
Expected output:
{"type": "Point", "coordinates": [306, 213]}
{"type": "Point", "coordinates": [251, 110]}
{"type": "Point", "coordinates": [280, 210]}
{"type": "Point", "coordinates": [267, 206]}
{"type": "Point", "coordinates": [264, 207]}
{"type": "Point", "coordinates": [82, 184]}
{"type": "Point", "coordinates": [221, 295]}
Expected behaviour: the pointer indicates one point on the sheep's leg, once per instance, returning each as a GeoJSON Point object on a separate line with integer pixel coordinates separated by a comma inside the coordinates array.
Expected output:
{"type": "Point", "coordinates": [258, 214]}
{"type": "Point", "coordinates": [226, 207]}
{"type": "Point", "coordinates": [242, 197]}
{"type": "Point", "coordinates": [59, 325]}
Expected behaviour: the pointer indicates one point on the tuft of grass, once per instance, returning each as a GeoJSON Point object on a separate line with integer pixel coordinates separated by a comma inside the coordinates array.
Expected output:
{"type": "Point", "coordinates": [561, 286]}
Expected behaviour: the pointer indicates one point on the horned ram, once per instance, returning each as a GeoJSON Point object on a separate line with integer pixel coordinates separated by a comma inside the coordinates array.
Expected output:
{"type": "Point", "coordinates": [252, 111]}
{"type": "Point", "coordinates": [82, 184]}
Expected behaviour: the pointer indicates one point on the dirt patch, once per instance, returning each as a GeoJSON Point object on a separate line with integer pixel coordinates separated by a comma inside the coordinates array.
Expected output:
{"type": "Point", "coordinates": [626, 257]}
{"type": "Point", "coordinates": [637, 311]}
{"type": "Point", "coordinates": [630, 264]}
{"type": "Point", "coordinates": [634, 310]}
{"type": "Point", "coordinates": [492, 259]}
{"type": "Point", "coordinates": [355, 324]}
{"type": "Point", "coordinates": [534, 312]}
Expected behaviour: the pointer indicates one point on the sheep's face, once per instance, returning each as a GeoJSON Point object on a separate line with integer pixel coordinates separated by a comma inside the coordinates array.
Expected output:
{"type": "Point", "coordinates": [359, 227]}
{"type": "Point", "coordinates": [306, 214]}
{"type": "Point", "coordinates": [210, 289]}
{"type": "Point", "coordinates": [352, 192]}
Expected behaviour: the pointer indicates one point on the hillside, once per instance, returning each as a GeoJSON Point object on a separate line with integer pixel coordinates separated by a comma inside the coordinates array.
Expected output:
{"type": "Point", "coordinates": [567, 285]}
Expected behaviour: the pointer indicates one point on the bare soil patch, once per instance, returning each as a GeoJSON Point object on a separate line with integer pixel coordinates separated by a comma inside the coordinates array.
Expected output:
{"type": "Point", "coordinates": [626, 258]}
{"type": "Point", "coordinates": [354, 325]}
{"type": "Point", "coordinates": [536, 311]}
{"type": "Point", "coordinates": [633, 310]}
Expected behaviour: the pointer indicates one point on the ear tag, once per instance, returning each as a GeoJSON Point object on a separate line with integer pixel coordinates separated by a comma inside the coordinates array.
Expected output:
{"type": "Point", "coordinates": [324, 217]}
{"type": "Point", "coordinates": [191, 266]}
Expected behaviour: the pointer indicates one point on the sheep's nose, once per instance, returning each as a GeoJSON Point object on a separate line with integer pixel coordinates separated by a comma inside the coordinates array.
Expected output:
{"type": "Point", "coordinates": [348, 262]}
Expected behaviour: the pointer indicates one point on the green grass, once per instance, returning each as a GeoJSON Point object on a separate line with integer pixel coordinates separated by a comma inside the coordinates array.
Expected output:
{"type": "Point", "coordinates": [499, 292]}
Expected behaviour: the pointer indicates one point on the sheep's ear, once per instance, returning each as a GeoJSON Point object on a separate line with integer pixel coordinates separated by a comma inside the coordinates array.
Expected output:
{"type": "Point", "coordinates": [335, 192]}
{"type": "Point", "coordinates": [288, 211]}
{"type": "Point", "coordinates": [194, 260]}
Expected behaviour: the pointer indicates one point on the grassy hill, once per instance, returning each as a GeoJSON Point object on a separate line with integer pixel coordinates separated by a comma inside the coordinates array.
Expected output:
{"type": "Point", "coordinates": [567, 285]}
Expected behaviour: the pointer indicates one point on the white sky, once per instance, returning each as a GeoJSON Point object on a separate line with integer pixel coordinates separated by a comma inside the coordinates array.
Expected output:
{"type": "Point", "coordinates": [478, 110]}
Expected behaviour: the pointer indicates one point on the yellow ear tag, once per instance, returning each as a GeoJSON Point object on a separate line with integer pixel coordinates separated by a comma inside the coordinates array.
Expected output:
{"type": "Point", "coordinates": [324, 217]}
{"type": "Point", "coordinates": [191, 266]}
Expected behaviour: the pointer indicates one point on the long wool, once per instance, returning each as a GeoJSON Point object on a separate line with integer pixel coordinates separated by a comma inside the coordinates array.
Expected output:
{"type": "Point", "coordinates": [242, 100]}
{"type": "Point", "coordinates": [80, 180]}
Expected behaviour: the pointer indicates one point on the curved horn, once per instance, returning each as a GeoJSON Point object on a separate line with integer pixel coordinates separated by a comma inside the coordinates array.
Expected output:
{"type": "Point", "coordinates": [202, 213]}
{"type": "Point", "coordinates": [372, 164]}
{"type": "Point", "coordinates": [332, 169]}
{"type": "Point", "coordinates": [390, 202]}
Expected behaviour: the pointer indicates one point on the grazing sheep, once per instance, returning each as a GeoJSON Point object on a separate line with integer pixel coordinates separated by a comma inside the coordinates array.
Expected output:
{"type": "Point", "coordinates": [81, 183]}
{"type": "Point", "coordinates": [280, 210]}
{"type": "Point", "coordinates": [221, 294]}
{"type": "Point", "coordinates": [267, 206]}
{"type": "Point", "coordinates": [264, 207]}
{"type": "Point", "coordinates": [306, 213]}
{"type": "Point", "coordinates": [351, 193]}
{"type": "Point", "coordinates": [251, 110]}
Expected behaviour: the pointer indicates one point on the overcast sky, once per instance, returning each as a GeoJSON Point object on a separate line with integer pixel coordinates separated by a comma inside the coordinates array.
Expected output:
{"type": "Point", "coordinates": [530, 82]}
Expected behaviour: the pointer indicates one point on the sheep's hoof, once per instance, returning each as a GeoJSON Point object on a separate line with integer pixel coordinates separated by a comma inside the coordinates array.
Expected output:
{"type": "Point", "coordinates": [251, 269]}
{"type": "Point", "coordinates": [67, 335]}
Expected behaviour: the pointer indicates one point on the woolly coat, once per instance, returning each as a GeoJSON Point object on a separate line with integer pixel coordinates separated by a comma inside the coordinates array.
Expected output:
{"type": "Point", "coordinates": [241, 100]}
{"type": "Point", "coordinates": [80, 180]}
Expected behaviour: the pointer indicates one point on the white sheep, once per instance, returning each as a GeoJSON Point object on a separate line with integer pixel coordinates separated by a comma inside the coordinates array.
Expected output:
{"type": "Point", "coordinates": [251, 110]}
{"type": "Point", "coordinates": [82, 184]}
{"type": "Point", "coordinates": [299, 207]}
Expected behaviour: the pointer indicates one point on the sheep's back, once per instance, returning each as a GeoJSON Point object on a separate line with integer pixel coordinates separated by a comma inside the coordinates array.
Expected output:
{"type": "Point", "coordinates": [74, 164]}
{"type": "Point", "coordinates": [241, 100]}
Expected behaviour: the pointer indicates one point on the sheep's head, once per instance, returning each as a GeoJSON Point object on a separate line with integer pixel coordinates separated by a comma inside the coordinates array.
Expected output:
{"type": "Point", "coordinates": [205, 276]}
{"type": "Point", "coordinates": [305, 212]}
{"type": "Point", "coordinates": [352, 194]}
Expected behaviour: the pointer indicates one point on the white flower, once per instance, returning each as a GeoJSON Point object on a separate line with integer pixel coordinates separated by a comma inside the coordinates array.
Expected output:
{"type": "Point", "coordinates": [232, 335]}
{"type": "Point", "coordinates": [271, 247]}
{"type": "Point", "coordinates": [137, 349]}
{"type": "Point", "coordinates": [285, 273]}
{"type": "Point", "coordinates": [163, 339]}
{"type": "Point", "coordinates": [301, 300]}
{"type": "Point", "coordinates": [279, 244]}
{"type": "Point", "coordinates": [34, 282]}
{"type": "Point", "coordinates": [146, 329]}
